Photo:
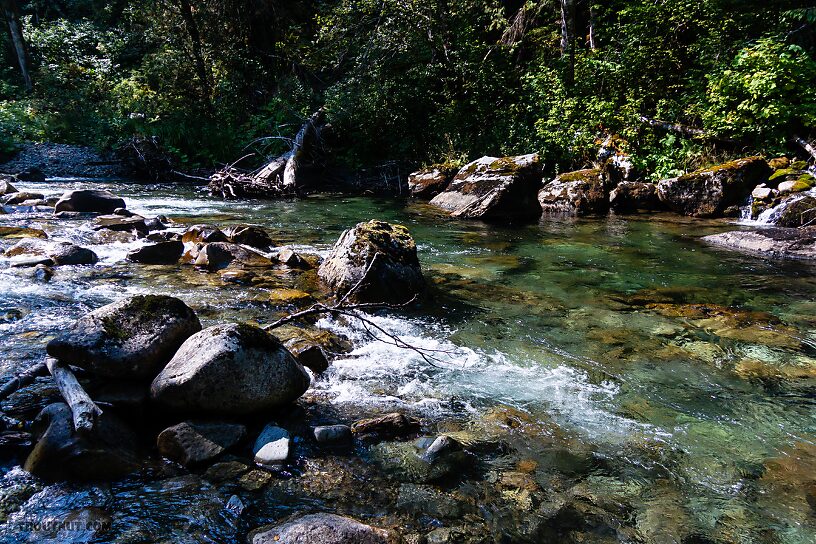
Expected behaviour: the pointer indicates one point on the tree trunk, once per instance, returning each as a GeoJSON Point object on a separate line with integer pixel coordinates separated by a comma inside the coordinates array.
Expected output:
{"type": "Point", "coordinates": [85, 411]}
{"type": "Point", "coordinates": [15, 28]}
{"type": "Point", "coordinates": [195, 40]}
{"type": "Point", "coordinates": [593, 42]}
{"type": "Point", "coordinates": [568, 39]}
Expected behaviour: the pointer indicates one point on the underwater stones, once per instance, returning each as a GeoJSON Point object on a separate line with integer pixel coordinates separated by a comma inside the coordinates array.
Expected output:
{"type": "Point", "coordinates": [7, 233]}
{"type": "Point", "coordinates": [228, 470]}
{"type": "Point", "coordinates": [798, 213]}
{"type": "Point", "coordinates": [89, 201]}
{"type": "Point", "coordinates": [63, 454]}
{"type": "Point", "coordinates": [320, 529]}
{"type": "Point", "coordinates": [774, 243]}
{"type": "Point", "coordinates": [634, 196]}
{"type": "Point", "coordinates": [191, 443]}
{"type": "Point", "coordinates": [575, 194]}
{"type": "Point", "coordinates": [333, 435]}
{"type": "Point", "coordinates": [407, 461]}
{"type": "Point", "coordinates": [272, 446]}
{"type": "Point", "coordinates": [391, 425]}
{"type": "Point", "coordinates": [710, 191]}
{"type": "Point", "coordinates": [230, 370]}
{"type": "Point", "coordinates": [203, 234]}
{"type": "Point", "coordinates": [249, 235]}
{"type": "Point", "coordinates": [379, 259]}
{"type": "Point", "coordinates": [219, 255]}
{"type": "Point", "coordinates": [441, 446]}
{"type": "Point", "coordinates": [429, 182]}
{"type": "Point", "coordinates": [160, 253]}
{"type": "Point", "coordinates": [289, 296]}
{"type": "Point", "coordinates": [51, 252]}
{"type": "Point", "coordinates": [493, 188]}
{"type": "Point", "coordinates": [421, 499]}
{"type": "Point", "coordinates": [132, 338]}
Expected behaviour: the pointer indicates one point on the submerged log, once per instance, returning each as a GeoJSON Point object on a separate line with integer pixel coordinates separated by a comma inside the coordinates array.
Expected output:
{"type": "Point", "coordinates": [85, 411]}
{"type": "Point", "coordinates": [22, 380]}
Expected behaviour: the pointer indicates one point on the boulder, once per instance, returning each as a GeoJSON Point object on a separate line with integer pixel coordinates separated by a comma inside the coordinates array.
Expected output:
{"type": "Point", "coordinates": [710, 191]}
{"type": "Point", "coordinates": [310, 355]}
{"type": "Point", "coordinates": [429, 182]}
{"type": "Point", "coordinates": [333, 435]}
{"type": "Point", "coordinates": [219, 255]}
{"type": "Point", "coordinates": [191, 443]}
{"type": "Point", "coordinates": [574, 194]}
{"type": "Point", "coordinates": [203, 234]}
{"type": "Point", "coordinates": [773, 243]}
{"type": "Point", "coordinates": [120, 223]}
{"type": "Point", "coordinates": [634, 196]}
{"type": "Point", "coordinates": [32, 175]}
{"type": "Point", "coordinates": [395, 276]}
{"type": "Point", "coordinates": [89, 201]}
{"type": "Point", "coordinates": [494, 189]}
{"type": "Point", "coordinates": [6, 187]}
{"type": "Point", "coordinates": [63, 454]}
{"type": "Point", "coordinates": [271, 448]}
{"type": "Point", "coordinates": [319, 529]}
{"type": "Point", "coordinates": [249, 235]}
{"type": "Point", "coordinates": [160, 253]}
{"type": "Point", "coordinates": [10, 233]}
{"type": "Point", "coordinates": [230, 370]}
{"type": "Point", "coordinates": [51, 252]}
{"type": "Point", "coordinates": [388, 426]}
{"type": "Point", "coordinates": [798, 212]}
{"type": "Point", "coordinates": [132, 338]}
{"type": "Point", "coordinates": [292, 259]}
{"type": "Point", "coordinates": [19, 197]}
{"type": "Point", "coordinates": [804, 183]}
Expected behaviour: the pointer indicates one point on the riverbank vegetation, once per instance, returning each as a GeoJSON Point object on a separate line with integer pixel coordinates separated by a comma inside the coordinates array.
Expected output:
{"type": "Point", "coordinates": [684, 82]}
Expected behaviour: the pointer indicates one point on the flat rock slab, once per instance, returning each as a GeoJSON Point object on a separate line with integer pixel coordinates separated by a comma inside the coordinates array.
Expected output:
{"type": "Point", "coordinates": [772, 243]}
{"type": "Point", "coordinates": [320, 529]}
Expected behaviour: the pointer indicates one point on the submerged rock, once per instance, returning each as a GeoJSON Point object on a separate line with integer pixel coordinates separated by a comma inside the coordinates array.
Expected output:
{"type": "Point", "coordinates": [320, 529]}
{"type": "Point", "coordinates": [574, 194]}
{"type": "Point", "coordinates": [191, 443]}
{"type": "Point", "coordinates": [386, 252]}
{"type": "Point", "coordinates": [493, 188]}
{"type": "Point", "coordinates": [52, 253]}
{"type": "Point", "coordinates": [776, 243]}
{"type": "Point", "coordinates": [429, 182]}
{"type": "Point", "coordinates": [230, 370]}
{"type": "Point", "coordinates": [388, 426]}
{"type": "Point", "coordinates": [89, 201]}
{"type": "Point", "coordinates": [132, 338]}
{"type": "Point", "coordinates": [160, 253]}
{"type": "Point", "coordinates": [63, 454]}
{"type": "Point", "coordinates": [634, 196]}
{"type": "Point", "coordinates": [219, 255]}
{"type": "Point", "coordinates": [710, 191]}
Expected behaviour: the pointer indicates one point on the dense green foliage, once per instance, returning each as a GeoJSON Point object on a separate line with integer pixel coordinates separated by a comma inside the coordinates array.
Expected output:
{"type": "Point", "coordinates": [416, 80]}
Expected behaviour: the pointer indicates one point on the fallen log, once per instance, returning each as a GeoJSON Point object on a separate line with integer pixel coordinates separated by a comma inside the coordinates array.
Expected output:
{"type": "Point", "coordinates": [22, 380]}
{"type": "Point", "coordinates": [84, 410]}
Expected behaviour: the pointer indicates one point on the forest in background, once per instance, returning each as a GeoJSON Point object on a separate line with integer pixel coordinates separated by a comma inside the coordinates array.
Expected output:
{"type": "Point", "coordinates": [684, 82]}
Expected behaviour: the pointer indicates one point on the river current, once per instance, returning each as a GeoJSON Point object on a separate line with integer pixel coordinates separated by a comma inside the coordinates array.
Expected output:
{"type": "Point", "coordinates": [665, 383]}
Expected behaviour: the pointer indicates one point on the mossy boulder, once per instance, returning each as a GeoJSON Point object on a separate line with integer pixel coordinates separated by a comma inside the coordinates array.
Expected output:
{"type": "Point", "coordinates": [133, 338]}
{"type": "Point", "coordinates": [495, 189]}
{"type": "Point", "coordinates": [711, 191]}
{"type": "Point", "coordinates": [582, 192]}
{"type": "Point", "coordinates": [429, 182]}
{"type": "Point", "coordinates": [804, 182]}
{"type": "Point", "coordinates": [379, 259]}
{"type": "Point", "coordinates": [7, 233]}
{"type": "Point", "coordinates": [798, 212]}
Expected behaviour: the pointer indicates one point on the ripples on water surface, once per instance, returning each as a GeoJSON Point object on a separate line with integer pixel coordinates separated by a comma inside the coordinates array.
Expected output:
{"type": "Point", "coordinates": [680, 375]}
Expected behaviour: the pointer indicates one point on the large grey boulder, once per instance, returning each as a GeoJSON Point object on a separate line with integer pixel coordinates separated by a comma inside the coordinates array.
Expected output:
{"type": "Point", "coordinates": [89, 201]}
{"type": "Point", "coordinates": [772, 243]}
{"type": "Point", "coordinates": [380, 257]}
{"type": "Point", "coordinates": [319, 529]}
{"type": "Point", "coordinates": [230, 370]}
{"type": "Point", "coordinates": [61, 453]}
{"type": "Point", "coordinates": [50, 252]}
{"type": "Point", "coordinates": [575, 193]}
{"type": "Point", "coordinates": [494, 188]}
{"type": "Point", "coordinates": [711, 191]}
{"type": "Point", "coordinates": [132, 338]}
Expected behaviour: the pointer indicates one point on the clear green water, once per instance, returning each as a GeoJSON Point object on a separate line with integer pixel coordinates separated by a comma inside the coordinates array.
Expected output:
{"type": "Point", "coordinates": [649, 370]}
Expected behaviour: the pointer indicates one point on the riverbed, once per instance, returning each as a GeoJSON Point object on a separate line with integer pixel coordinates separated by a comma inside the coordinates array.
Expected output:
{"type": "Point", "coordinates": [658, 387]}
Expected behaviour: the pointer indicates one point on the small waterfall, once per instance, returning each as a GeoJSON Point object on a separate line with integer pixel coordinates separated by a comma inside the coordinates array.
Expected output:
{"type": "Point", "coordinates": [770, 216]}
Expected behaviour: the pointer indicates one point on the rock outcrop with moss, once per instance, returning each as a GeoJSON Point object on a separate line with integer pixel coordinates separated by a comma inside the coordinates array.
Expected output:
{"type": "Point", "coordinates": [710, 192]}
{"type": "Point", "coordinates": [493, 188]}
{"type": "Point", "coordinates": [380, 258]}
{"type": "Point", "coordinates": [634, 196]}
{"type": "Point", "coordinates": [575, 193]}
{"type": "Point", "coordinates": [429, 182]}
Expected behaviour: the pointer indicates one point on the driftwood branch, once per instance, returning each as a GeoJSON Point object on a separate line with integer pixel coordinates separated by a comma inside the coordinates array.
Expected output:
{"type": "Point", "coordinates": [85, 411]}
{"type": "Point", "coordinates": [807, 146]}
{"type": "Point", "coordinates": [22, 380]}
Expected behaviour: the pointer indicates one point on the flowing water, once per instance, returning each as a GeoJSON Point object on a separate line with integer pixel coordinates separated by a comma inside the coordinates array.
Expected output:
{"type": "Point", "coordinates": [663, 386]}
